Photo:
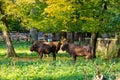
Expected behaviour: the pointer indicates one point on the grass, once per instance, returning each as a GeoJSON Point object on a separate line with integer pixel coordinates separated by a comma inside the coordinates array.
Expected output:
{"type": "Point", "coordinates": [28, 66]}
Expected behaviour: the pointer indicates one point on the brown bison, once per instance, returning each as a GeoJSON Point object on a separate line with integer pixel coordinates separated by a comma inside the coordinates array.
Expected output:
{"type": "Point", "coordinates": [55, 43]}
{"type": "Point", "coordinates": [42, 48]}
{"type": "Point", "coordinates": [76, 50]}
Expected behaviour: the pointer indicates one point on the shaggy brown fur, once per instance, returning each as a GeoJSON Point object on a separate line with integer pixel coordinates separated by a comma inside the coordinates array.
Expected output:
{"type": "Point", "coordinates": [75, 50]}
{"type": "Point", "coordinates": [55, 43]}
{"type": "Point", "coordinates": [42, 48]}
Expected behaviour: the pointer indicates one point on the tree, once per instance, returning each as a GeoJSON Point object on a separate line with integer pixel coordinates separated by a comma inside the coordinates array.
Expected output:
{"type": "Point", "coordinates": [83, 15]}
{"type": "Point", "coordinates": [62, 15]}
{"type": "Point", "coordinates": [97, 18]}
{"type": "Point", "coordinates": [26, 13]}
{"type": "Point", "coordinates": [10, 49]}
{"type": "Point", "coordinates": [66, 15]}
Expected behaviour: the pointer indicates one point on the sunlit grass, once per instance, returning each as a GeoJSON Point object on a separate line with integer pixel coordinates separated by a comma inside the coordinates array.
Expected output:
{"type": "Point", "coordinates": [51, 70]}
{"type": "Point", "coordinates": [28, 66]}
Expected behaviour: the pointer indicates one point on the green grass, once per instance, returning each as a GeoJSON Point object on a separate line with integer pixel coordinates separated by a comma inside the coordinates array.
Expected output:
{"type": "Point", "coordinates": [28, 66]}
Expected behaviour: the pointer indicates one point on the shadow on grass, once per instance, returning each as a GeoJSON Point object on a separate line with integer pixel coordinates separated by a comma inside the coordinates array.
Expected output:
{"type": "Point", "coordinates": [33, 58]}
{"type": "Point", "coordinates": [26, 61]}
{"type": "Point", "coordinates": [65, 77]}
{"type": "Point", "coordinates": [78, 76]}
{"type": "Point", "coordinates": [33, 54]}
{"type": "Point", "coordinates": [63, 54]}
{"type": "Point", "coordinates": [3, 78]}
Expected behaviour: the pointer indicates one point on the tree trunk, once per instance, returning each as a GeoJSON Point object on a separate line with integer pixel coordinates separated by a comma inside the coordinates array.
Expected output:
{"type": "Point", "coordinates": [54, 37]}
{"type": "Point", "coordinates": [63, 37]}
{"type": "Point", "coordinates": [72, 40]}
{"type": "Point", "coordinates": [10, 48]}
{"type": "Point", "coordinates": [118, 53]}
{"type": "Point", "coordinates": [79, 38]}
{"type": "Point", "coordinates": [94, 37]}
{"type": "Point", "coordinates": [33, 35]}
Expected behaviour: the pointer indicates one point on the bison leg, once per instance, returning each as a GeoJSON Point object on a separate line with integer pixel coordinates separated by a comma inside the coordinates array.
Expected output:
{"type": "Point", "coordinates": [87, 57]}
{"type": "Point", "coordinates": [74, 59]}
{"type": "Point", "coordinates": [54, 56]}
{"type": "Point", "coordinates": [41, 55]}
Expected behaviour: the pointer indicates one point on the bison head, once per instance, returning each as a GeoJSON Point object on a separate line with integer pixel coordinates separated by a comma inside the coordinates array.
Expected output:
{"type": "Point", "coordinates": [34, 46]}
{"type": "Point", "coordinates": [65, 47]}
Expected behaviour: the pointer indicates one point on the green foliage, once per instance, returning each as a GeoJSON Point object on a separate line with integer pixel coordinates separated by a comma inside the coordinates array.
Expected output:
{"type": "Point", "coordinates": [32, 15]}
{"type": "Point", "coordinates": [97, 15]}
{"type": "Point", "coordinates": [1, 26]}
{"type": "Point", "coordinates": [58, 70]}
{"type": "Point", "coordinates": [23, 13]}
{"type": "Point", "coordinates": [28, 66]}
{"type": "Point", "coordinates": [66, 15]}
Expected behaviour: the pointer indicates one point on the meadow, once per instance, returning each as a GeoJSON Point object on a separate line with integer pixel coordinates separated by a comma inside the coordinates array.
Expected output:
{"type": "Point", "coordinates": [28, 66]}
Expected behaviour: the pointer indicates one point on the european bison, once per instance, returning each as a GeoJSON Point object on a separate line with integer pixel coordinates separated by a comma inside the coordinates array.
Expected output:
{"type": "Point", "coordinates": [55, 43]}
{"type": "Point", "coordinates": [76, 50]}
{"type": "Point", "coordinates": [42, 48]}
